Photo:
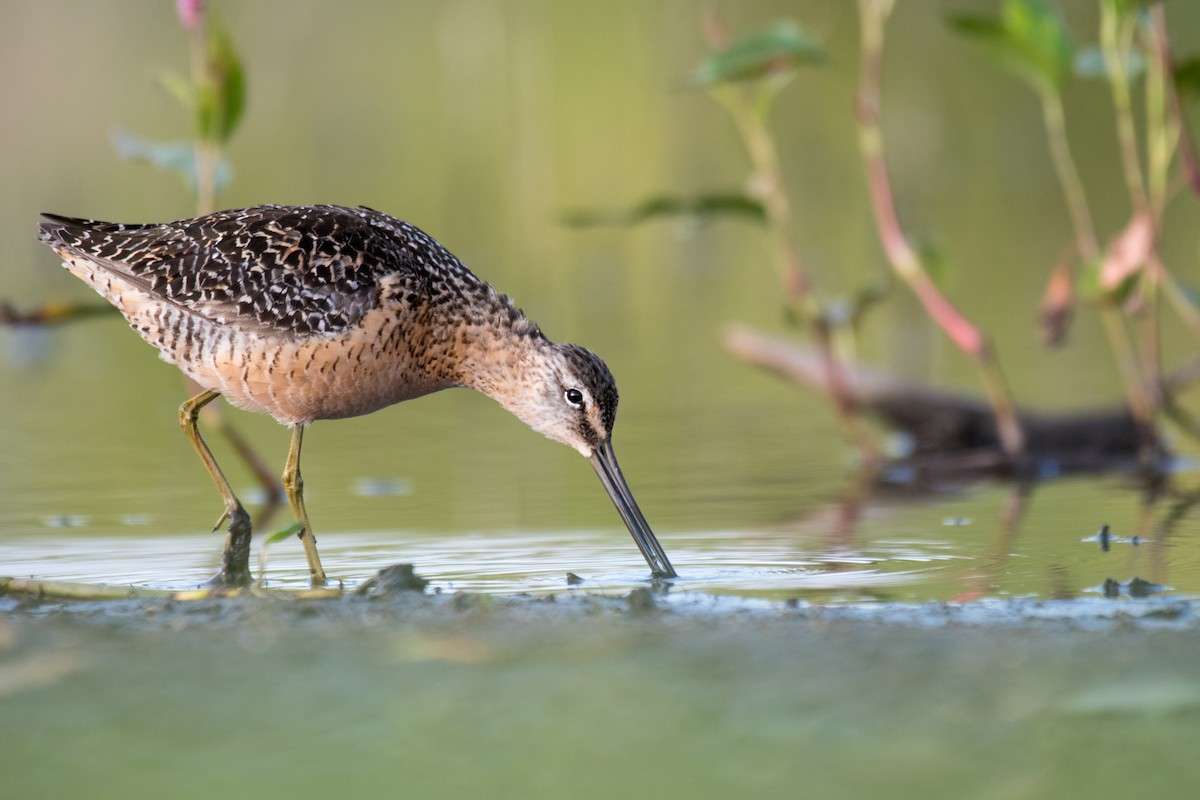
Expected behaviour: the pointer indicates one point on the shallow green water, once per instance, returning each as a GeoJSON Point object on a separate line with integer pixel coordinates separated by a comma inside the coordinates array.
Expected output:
{"type": "Point", "coordinates": [910, 551]}
{"type": "Point", "coordinates": [483, 123]}
{"type": "Point", "coordinates": [541, 700]}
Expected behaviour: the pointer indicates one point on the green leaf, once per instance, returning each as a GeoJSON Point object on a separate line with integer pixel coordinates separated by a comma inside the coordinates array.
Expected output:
{"type": "Point", "coordinates": [1190, 292]}
{"type": "Point", "coordinates": [1088, 282]}
{"type": "Point", "coordinates": [940, 270]}
{"type": "Point", "coordinates": [698, 208]}
{"type": "Point", "coordinates": [286, 533]}
{"type": "Point", "coordinates": [178, 157]}
{"type": "Point", "coordinates": [177, 86]}
{"type": "Point", "coordinates": [779, 47]}
{"type": "Point", "coordinates": [1187, 77]}
{"type": "Point", "coordinates": [278, 536]}
{"type": "Point", "coordinates": [1123, 7]}
{"type": "Point", "coordinates": [220, 93]}
{"type": "Point", "coordinates": [1092, 290]}
{"type": "Point", "coordinates": [1030, 39]}
{"type": "Point", "coordinates": [847, 311]}
{"type": "Point", "coordinates": [869, 296]}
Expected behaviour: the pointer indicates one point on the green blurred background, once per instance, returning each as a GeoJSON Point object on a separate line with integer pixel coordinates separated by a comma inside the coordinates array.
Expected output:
{"type": "Point", "coordinates": [484, 122]}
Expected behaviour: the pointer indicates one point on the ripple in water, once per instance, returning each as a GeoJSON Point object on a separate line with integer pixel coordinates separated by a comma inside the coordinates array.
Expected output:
{"type": "Point", "coordinates": [720, 562]}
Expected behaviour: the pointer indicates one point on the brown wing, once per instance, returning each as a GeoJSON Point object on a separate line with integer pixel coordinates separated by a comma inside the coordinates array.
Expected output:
{"type": "Point", "coordinates": [306, 270]}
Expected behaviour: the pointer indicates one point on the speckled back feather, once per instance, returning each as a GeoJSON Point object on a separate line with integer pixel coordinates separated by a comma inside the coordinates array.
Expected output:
{"type": "Point", "coordinates": [296, 269]}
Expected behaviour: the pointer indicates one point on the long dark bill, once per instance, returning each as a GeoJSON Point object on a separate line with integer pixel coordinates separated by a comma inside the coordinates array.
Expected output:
{"type": "Point", "coordinates": [604, 461]}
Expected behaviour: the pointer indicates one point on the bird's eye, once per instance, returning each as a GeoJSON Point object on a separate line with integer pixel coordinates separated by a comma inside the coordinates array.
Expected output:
{"type": "Point", "coordinates": [574, 397]}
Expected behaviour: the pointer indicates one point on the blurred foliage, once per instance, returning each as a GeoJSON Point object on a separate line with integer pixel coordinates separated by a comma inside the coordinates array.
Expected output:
{"type": "Point", "coordinates": [220, 88]}
{"type": "Point", "coordinates": [1124, 7]}
{"type": "Point", "coordinates": [1089, 63]}
{"type": "Point", "coordinates": [1187, 76]}
{"type": "Point", "coordinates": [779, 47]}
{"type": "Point", "coordinates": [1029, 38]}
{"type": "Point", "coordinates": [697, 209]}
{"type": "Point", "coordinates": [844, 312]}
{"type": "Point", "coordinates": [264, 549]}
{"type": "Point", "coordinates": [941, 270]}
{"type": "Point", "coordinates": [177, 157]}
{"type": "Point", "coordinates": [215, 94]}
{"type": "Point", "coordinates": [761, 62]}
{"type": "Point", "coordinates": [1093, 288]}
{"type": "Point", "coordinates": [215, 97]}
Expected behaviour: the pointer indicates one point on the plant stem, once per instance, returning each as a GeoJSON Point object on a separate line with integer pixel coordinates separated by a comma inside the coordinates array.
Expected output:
{"type": "Point", "coordinates": [207, 157]}
{"type": "Point", "coordinates": [1137, 393]}
{"type": "Point", "coordinates": [207, 153]}
{"type": "Point", "coordinates": [1162, 128]}
{"type": "Point", "coordinates": [1086, 243]}
{"type": "Point", "coordinates": [1161, 53]}
{"type": "Point", "coordinates": [903, 257]}
{"type": "Point", "coordinates": [1140, 405]}
{"type": "Point", "coordinates": [768, 185]}
{"type": "Point", "coordinates": [1148, 195]}
{"type": "Point", "coordinates": [1179, 301]}
{"type": "Point", "coordinates": [1088, 247]}
{"type": "Point", "coordinates": [1116, 38]}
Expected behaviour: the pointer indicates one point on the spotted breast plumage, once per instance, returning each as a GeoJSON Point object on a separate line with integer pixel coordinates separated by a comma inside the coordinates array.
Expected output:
{"type": "Point", "coordinates": [321, 312]}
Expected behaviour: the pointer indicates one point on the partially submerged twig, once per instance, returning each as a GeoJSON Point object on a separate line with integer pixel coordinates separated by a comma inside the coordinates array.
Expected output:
{"type": "Point", "coordinates": [53, 313]}
{"type": "Point", "coordinates": [74, 590]}
{"type": "Point", "coordinates": [77, 591]}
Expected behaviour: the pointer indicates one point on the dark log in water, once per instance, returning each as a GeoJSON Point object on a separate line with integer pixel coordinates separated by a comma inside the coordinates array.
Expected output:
{"type": "Point", "coordinates": [958, 431]}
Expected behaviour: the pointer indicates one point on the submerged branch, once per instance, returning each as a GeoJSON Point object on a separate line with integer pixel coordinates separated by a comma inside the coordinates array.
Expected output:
{"type": "Point", "coordinates": [949, 425]}
{"type": "Point", "coordinates": [75, 590]}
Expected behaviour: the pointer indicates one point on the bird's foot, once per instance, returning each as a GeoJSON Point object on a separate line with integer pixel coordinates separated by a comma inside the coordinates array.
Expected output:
{"type": "Point", "coordinates": [235, 560]}
{"type": "Point", "coordinates": [316, 572]}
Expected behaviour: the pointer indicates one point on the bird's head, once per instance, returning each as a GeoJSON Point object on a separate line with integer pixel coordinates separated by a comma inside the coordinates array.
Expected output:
{"type": "Point", "coordinates": [567, 393]}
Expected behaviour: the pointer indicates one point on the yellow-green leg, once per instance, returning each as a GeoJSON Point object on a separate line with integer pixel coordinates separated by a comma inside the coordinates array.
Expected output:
{"type": "Point", "coordinates": [235, 560]}
{"type": "Point", "coordinates": [215, 419]}
{"type": "Point", "coordinates": [293, 486]}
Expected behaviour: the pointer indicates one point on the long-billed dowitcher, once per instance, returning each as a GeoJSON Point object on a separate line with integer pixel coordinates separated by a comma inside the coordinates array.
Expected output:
{"type": "Point", "coordinates": [322, 312]}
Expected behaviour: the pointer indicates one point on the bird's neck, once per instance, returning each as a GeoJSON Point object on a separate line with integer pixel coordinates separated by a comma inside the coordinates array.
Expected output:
{"type": "Point", "coordinates": [500, 363]}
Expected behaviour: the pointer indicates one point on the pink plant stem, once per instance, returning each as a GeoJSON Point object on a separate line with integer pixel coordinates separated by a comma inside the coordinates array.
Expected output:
{"type": "Point", "coordinates": [964, 335]}
{"type": "Point", "coordinates": [904, 259]}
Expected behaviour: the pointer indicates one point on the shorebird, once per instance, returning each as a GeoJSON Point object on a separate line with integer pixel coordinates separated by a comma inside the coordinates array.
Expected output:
{"type": "Point", "coordinates": [310, 313]}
